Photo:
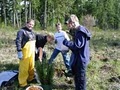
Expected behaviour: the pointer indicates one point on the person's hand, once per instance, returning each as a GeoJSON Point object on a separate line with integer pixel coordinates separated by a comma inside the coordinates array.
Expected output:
{"type": "Point", "coordinates": [64, 41]}
{"type": "Point", "coordinates": [20, 55]}
{"type": "Point", "coordinates": [40, 59]}
{"type": "Point", "coordinates": [55, 41]}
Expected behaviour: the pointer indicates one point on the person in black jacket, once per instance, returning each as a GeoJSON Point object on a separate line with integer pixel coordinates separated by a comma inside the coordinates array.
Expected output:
{"type": "Point", "coordinates": [41, 41]}
{"type": "Point", "coordinates": [25, 43]}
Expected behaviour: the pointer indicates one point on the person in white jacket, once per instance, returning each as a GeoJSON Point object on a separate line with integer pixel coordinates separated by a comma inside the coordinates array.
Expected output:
{"type": "Point", "coordinates": [59, 36]}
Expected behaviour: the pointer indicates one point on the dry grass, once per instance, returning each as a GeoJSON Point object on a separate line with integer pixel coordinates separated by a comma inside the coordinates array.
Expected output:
{"type": "Point", "coordinates": [9, 61]}
{"type": "Point", "coordinates": [104, 64]}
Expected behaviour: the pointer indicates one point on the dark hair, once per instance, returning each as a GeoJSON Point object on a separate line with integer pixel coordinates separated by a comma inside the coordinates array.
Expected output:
{"type": "Point", "coordinates": [57, 24]}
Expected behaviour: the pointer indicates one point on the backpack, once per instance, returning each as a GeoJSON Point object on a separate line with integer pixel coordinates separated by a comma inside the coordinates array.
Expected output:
{"type": "Point", "coordinates": [8, 77]}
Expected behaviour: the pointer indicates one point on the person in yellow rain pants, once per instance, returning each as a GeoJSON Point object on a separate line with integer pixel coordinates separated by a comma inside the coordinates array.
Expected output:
{"type": "Point", "coordinates": [25, 43]}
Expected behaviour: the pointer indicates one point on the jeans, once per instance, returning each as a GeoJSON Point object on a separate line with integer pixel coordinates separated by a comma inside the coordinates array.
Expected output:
{"type": "Point", "coordinates": [65, 56]}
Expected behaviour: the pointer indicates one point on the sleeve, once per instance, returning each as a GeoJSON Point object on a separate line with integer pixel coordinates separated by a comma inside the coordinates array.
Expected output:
{"type": "Point", "coordinates": [19, 40]}
{"type": "Point", "coordinates": [55, 38]}
{"type": "Point", "coordinates": [42, 45]}
{"type": "Point", "coordinates": [77, 44]}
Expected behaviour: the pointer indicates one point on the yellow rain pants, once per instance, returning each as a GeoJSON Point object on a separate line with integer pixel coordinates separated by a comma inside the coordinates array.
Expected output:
{"type": "Point", "coordinates": [26, 65]}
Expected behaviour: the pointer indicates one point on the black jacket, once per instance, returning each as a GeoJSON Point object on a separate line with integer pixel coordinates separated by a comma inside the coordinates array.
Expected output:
{"type": "Point", "coordinates": [41, 40]}
{"type": "Point", "coordinates": [23, 36]}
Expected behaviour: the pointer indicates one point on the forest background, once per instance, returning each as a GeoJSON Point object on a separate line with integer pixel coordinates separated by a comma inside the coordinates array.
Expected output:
{"type": "Point", "coordinates": [101, 17]}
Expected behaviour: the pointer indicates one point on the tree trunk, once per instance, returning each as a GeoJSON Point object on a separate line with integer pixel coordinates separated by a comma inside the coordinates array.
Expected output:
{"type": "Point", "coordinates": [17, 19]}
{"type": "Point", "coordinates": [1, 11]}
{"type": "Point", "coordinates": [26, 11]}
{"type": "Point", "coordinates": [30, 9]}
{"type": "Point", "coordinates": [14, 21]}
{"type": "Point", "coordinates": [45, 15]}
{"type": "Point", "coordinates": [20, 20]}
{"type": "Point", "coordinates": [4, 13]}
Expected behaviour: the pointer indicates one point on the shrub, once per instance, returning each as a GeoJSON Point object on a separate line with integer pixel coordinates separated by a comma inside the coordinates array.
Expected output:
{"type": "Point", "coordinates": [45, 72]}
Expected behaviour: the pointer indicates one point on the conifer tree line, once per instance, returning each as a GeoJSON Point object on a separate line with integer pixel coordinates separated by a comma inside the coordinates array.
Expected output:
{"type": "Point", "coordinates": [48, 12]}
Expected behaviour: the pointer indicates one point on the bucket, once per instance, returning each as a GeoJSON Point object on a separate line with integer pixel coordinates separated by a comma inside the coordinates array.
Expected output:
{"type": "Point", "coordinates": [34, 87]}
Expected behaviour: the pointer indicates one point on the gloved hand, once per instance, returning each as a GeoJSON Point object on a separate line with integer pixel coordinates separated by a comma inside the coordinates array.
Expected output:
{"type": "Point", "coordinates": [20, 55]}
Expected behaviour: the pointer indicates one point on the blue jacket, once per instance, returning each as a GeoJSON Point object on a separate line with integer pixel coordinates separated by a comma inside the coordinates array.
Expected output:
{"type": "Point", "coordinates": [80, 45]}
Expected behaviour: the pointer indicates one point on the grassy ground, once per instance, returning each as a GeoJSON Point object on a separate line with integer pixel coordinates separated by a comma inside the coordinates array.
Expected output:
{"type": "Point", "coordinates": [103, 72]}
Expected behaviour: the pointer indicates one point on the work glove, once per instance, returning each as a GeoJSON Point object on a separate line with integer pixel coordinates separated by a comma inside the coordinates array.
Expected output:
{"type": "Point", "coordinates": [20, 55]}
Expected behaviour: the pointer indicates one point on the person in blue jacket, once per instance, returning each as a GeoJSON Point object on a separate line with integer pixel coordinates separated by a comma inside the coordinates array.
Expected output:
{"type": "Point", "coordinates": [80, 51]}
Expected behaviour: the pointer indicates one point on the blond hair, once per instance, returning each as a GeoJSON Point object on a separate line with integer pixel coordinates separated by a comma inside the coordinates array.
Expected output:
{"type": "Point", "coordinates": [73, 18]}
{"type": "Point", "coordinates": [51, 35]}
{"type": "Point", "coordinates": [30, 20]}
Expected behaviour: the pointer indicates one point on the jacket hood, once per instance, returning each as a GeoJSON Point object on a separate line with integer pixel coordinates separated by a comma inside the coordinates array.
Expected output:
{"type": "Point", "coordinates": [85, 31]}
{"type": "Point", "coordinates": [25, 28]}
